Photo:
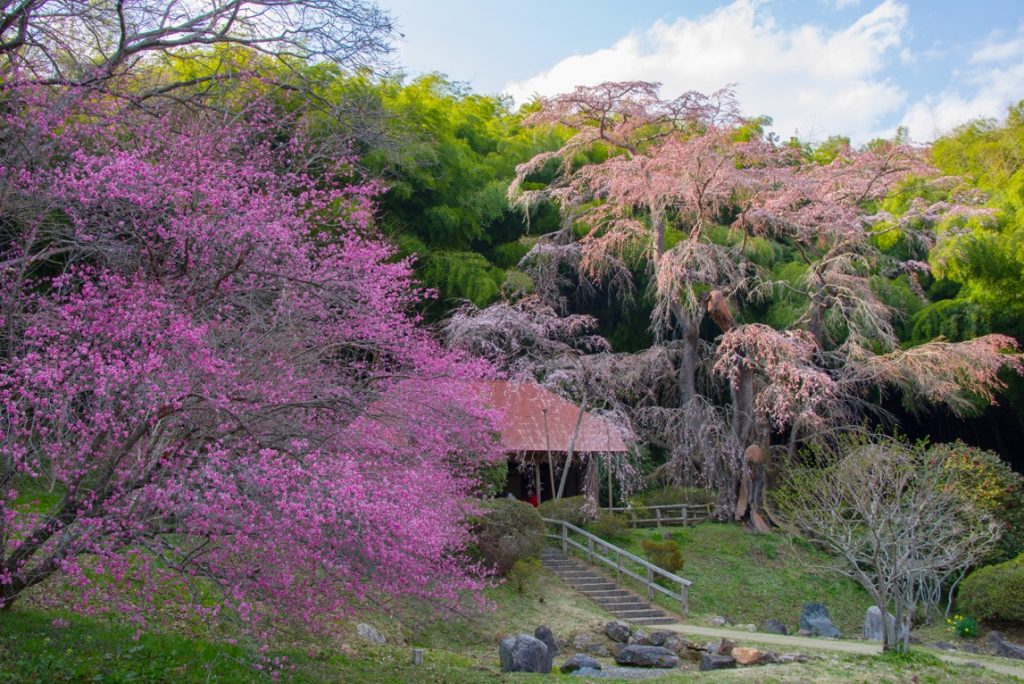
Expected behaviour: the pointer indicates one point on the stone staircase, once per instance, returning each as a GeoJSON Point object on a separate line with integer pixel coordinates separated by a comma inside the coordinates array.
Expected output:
{"type": "Point", "coordinates": [620, 602]}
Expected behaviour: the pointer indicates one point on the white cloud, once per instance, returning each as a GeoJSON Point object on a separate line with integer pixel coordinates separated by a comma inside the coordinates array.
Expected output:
{"type": "Point", "coordinates": [809, 79]}
{"type": "Point", "coordinates": [993, 80]}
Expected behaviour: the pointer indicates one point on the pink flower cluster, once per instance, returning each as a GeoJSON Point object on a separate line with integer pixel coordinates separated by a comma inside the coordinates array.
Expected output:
{"type": "Point", "coordinates": [212, 359]}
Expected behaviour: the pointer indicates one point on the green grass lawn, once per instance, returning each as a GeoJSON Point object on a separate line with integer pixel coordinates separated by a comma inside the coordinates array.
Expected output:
{"type": "Point", "coordinates": [753, 577]}
{"type": "Point", "coordinates": [735, 573]}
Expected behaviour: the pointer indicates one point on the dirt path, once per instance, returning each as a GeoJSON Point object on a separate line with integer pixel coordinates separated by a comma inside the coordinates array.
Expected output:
{"type": "Point", "coordinates": [1000, 665]}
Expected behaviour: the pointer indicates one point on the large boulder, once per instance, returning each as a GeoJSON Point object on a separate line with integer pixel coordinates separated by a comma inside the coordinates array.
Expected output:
{"type": "Point", "coordinates": [1001, 647]}
{"type": "Point", "coordinates": [646, 656]}
{"type": "Point", "coordinates": [710, 661]}
{"type": "Point", "coordinates": [579, 661]}
{"type": "Point", "coordinates": [815, 621]}
{"type": "Point", "coordinates": [544, 634]}
{"type": "Point", "coordinates": [524, 653]}
{"type": "Point", "coordinates": [775, 627]}
{"type": "Point", "coordinates": [616, 630]}
{"type": "Point", "coordinates": [659, 638]}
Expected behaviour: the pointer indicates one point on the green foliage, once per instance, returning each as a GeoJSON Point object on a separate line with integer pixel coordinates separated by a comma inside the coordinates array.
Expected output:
{"type": "Point", "coordinates": [984, 480]}
{"type": "Point", "coordinates": [953, 319]}
{"type": "Point", "coordinates": [986, 256]}
{"type": "Point", "coordinates": [493, 480]}
{"type": "Point", "coordinates": [506, 532]}
{"type": "Point", "coordinates": [524, 575]}
{"type": "Point", "coordinates": [609, 526]}
{"type": "Point", "coordinates": [995, 592]}
{"type": "Point", "coordinates": [570, 509]}
{"type": "Point", "coordinates": [963, 626]}
{"type": "Point", "coordinates": [463, 275]}
{"type": "Point", "coordinates": [665, 554]}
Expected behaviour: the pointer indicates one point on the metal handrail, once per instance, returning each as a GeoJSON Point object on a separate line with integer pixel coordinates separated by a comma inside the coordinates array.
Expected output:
{"type": "Point", "coordinates": [683, 595]}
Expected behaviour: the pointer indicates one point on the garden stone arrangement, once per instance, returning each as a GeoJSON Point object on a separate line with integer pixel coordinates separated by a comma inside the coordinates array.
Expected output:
{"type": "Point", "coordinates": [636, 654]}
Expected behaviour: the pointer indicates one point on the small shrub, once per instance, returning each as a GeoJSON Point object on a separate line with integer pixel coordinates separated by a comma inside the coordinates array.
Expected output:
{"type": "Point", "coordinates": [609, 526]}
{"type": "Point", "coordinates": [665, 554]}
{"type": "Point", "coordinates": [983, 479]}
{"type": "Point", "coordinates": [995, 592]}
{"type": "Point", "coordinates": [523, 575]}
{"type": "Point", "coordinates": [506, 532]}
{"type": "Point", "coordinates": [963, 626]}
{"type": "Point", "coordinates": [569, 509]}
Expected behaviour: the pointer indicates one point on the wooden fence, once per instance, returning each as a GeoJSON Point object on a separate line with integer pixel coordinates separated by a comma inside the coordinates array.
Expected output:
{"type": "Point", "coordinates": [656, 516]}
{"type": "Point", "coordinates": [623, 562]}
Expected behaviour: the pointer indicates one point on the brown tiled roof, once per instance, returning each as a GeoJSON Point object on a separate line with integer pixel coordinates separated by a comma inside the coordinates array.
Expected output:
{"type": "Point", "coordinates": [533, 415]}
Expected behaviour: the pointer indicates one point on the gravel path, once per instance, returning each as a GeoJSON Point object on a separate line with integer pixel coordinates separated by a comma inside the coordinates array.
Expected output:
{"type": "Point", "coordinates": [1001, 665]}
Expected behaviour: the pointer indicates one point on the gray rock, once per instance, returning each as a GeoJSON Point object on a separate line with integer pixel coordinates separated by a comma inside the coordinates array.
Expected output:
{"type": "Point", "coordinates": [544, 634]}
{"type": "Point", "coordinates": [579, 661]}
{"type": "Point", "coordinates": [815, 619]}
{"type": "Point", "coordinates": [723, 647]}
{"type": "Point", "coordinates": [773, 626]}
{"type": "Point", "coordinates": [874, 629]}
{"type": "Point", "coordinates": [524, 653]}
{"type": "Point", "coordinates": [787, 658]}
{"type": "Point", "coordinates": [646, 656]}
{"type": "Point", "coordinates": [617, 630]}
{"type": "Point", "coordinates": [369, 633]}
{"type": "Point", "coordinates": [660, 638]}
{"type": "Point", "coordinates": [587, 644]}
{"type": "Point", "coordinates": [943, 646]}
{"type": "Point", "coordinates": [716, 662]}
{"type": "Point", "coordinates": [1001, 647]}
{"type": "Point", "coordinates": [587, 672]}
{"type": "Point", "coordinates": [640, 638]}
{"type": "Point", "coordinates": [718, 621]}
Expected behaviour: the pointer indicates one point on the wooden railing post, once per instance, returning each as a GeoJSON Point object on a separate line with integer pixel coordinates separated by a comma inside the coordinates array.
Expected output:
{"type": "Point", "coordinates": [650, 584]}
{"type": "Point", "coordinates": [685, 509]}
{"type": "Point", "coordinates": [565, 539]}
{"type": "Point", "coordinates": [657, 515]}
{"type": "Point", "coordinates": [590, 549]}
{"type": "Point", "coordinates": [618, 566]}
{"type": "Point", "coordinates": [685, 591]}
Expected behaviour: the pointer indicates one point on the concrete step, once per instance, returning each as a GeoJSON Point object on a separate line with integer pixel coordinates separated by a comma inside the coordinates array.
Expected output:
{"type": "Point", "coordinates": [615, 606]}
{"type": "Point", "coordinates": [638, 613]}
{"type": "Point", "coordinates": [653, 621]}
{"type": "Point", "coordinates": [587, 587]}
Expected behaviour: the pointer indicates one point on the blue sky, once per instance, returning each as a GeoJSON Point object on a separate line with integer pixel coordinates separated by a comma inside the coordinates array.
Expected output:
{"type": "Point", "coordinates": [818, 67]}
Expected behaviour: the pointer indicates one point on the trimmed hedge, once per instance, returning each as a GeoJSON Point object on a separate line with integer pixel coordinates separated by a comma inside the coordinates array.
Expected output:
{"type": "Point", "coordinates": [506, 532]}
{"type": "Point", "coordinates": [995, 592]}
{"type": "Point", "coordinates": [569, 509]}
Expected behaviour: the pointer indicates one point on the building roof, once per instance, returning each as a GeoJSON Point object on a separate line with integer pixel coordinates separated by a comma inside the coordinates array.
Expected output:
{"type": "Point", "coordinates": [536, 419]}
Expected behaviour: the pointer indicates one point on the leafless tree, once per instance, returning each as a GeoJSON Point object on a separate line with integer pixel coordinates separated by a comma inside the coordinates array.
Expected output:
{"type": "Point", "coordinates": [87, 43]}
{"type": "Point", "coordinates": [889, 513]}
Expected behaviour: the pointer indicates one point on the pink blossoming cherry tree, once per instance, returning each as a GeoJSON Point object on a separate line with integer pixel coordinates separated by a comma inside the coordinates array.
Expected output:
{"type": "Point", "coordinates": [210, 367]}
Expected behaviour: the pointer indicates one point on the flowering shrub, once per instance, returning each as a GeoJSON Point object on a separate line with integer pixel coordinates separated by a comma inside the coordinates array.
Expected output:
{"type": "Point", "coordinates": [210, 357]}
{"type": "Point", "coordinates": [965, 627]}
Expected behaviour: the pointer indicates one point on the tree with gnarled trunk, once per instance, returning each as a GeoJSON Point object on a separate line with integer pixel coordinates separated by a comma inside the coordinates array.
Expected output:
{"type": "Point", "coordinates": [668, 171]}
